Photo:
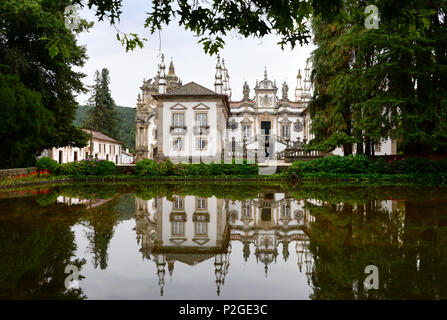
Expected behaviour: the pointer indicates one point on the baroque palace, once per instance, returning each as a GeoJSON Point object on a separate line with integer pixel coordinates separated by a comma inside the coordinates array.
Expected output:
{"type": "Point", "coordinates": [190, 122]}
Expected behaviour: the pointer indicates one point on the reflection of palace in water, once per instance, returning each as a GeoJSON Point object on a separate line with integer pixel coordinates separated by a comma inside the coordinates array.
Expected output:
{"type": "Point", "coordinates": [192, 229]}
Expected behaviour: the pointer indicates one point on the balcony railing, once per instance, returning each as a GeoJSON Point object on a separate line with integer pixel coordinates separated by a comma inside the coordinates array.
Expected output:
{"type": "Point", "coordinates": [178, 130]}
{"type": "Point", "coordinates": [201, 129]}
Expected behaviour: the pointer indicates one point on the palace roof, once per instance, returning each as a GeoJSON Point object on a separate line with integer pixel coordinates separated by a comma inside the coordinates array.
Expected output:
{"type": "Point", "coordinates": [191, 89]}
{"type": "Point", "coordinates": [100, 136]}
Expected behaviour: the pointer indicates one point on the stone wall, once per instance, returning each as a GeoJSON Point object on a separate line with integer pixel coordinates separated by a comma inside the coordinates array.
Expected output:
{"type": "Point", "coordinates": [16, 172]}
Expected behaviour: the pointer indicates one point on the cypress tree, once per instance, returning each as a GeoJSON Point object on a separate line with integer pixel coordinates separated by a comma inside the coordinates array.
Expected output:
{"type": "Point", "coordinates": [103, 116]}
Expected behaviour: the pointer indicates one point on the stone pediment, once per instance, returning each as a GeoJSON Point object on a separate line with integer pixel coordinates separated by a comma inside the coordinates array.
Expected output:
{"type": "Point", "coordinates": [178, 106]}
{"type": "Point", "coordinates": [178, 241]}
{"type": "Point", "coordinates": [200, 241]}
{"type": "Point", "coordinates": [201, 106]}
{"type": "Point", "coordinates": [246, 120]}
{"type": "Point", "coordinates": [285, 120]}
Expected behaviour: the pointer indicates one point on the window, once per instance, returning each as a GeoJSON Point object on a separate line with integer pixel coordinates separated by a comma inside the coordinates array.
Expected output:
{"type": "Point", "coordinates": [178, 226]}
{"type": "Point", "coordinates": [201, 143]}
{"type": "Point", "coordinates": [201, 224]}
{"type": "Point", "coordinates": [75, 156]}
{"type": "Point", "coordinates": [201, 119]}
{"type": "Point", "coordinates": [201, 203]}
{"type": "Point", "coordinates": [201, 228]}
{"type": "Point", "coordinates": [246, 131]}
{"type": "Point", "coordinates": [285, 210]}
{"type": "Point", "coordinates": [285, 131]}
{"type": "Point", "coordinates": [179, 119]}
{"type": "Point", "coordinates": [178, 143]}
{"type": "Point", "coordinates": [178, 203]}
{"type": "Point", "coordinates": [156, 134]}
{"type": "Point", "coordinates": [377, 146]}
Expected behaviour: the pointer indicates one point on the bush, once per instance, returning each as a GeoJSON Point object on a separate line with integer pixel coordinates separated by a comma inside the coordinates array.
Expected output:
{"type": "Point", "coordinates": [440, 166]}
{"type": "Point", "coordinates": [146, 167]}
{"type": "Point", "coordinates": [93, 167]}
{"type": "Point", "coordinates": [361, 164]}
{"type": "Point", "coordinates": [412, 165]}
{"type": "Point", "coordinates": [46, 163]}
{"type": "Point", "coordinates": [104, 168]}
{"type": "Point", "coordinates": [70, 169]}
{"type": "Point", "coordinates": [149, 167]}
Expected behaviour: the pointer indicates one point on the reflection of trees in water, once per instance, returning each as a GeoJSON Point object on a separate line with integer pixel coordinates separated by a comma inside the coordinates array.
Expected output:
{"type": "Point", "coordinates": [37, 243]}
{"type": "Point", "coordinates": [101, 224]}
{"type": "Point", "coordinates": [36, 246]}
{"type": "Point", "coordinates": [350, 231]}
{"type": "Point", "coordinates": [407, 246]}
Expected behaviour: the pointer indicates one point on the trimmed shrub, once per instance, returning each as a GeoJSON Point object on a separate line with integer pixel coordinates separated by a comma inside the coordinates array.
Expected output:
{"type": "Point", "coordinates": [149, 167]}
{"type": "Point", "coordinates": [70, 169]}
{"type": "Point", "coordinates": [146, 167]}
{"type": "Point", "coordinates": [92, 167]}
{"type": "Point", "coordinates": [361, 164]}
{"type": "Point", "coordinates": [104, 168]}
{"type": "Point", "coordinates": [46, 163]}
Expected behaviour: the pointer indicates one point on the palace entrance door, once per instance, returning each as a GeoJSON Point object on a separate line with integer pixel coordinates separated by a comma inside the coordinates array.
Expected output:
{"type": "Point", "coordinates": [265, 129]}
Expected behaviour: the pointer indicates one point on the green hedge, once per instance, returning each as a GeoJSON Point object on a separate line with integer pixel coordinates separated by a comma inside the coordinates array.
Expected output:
{"type": "Point", "coordinates": [153, 168]}
{"type": "Point", "coordinates": [93, 167]}
{"type": "Point", "coordinates": [360, 164]}
{"type": "Point", "coordinates": [46, 163]}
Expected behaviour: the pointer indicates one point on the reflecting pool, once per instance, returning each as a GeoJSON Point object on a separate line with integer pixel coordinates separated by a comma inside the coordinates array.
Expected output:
{"type": "Point", "coordinates": [223, 241]}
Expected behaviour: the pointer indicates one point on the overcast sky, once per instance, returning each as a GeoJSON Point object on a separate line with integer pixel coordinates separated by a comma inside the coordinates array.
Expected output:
{"type": "Point", "coordinates": [244, 58]}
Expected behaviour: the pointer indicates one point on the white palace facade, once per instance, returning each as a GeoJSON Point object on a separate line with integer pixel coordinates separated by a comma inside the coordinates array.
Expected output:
{"type": "Point", "coordinates": [189, 122]}
{"type": "Point", "coordinates": [192, 229]}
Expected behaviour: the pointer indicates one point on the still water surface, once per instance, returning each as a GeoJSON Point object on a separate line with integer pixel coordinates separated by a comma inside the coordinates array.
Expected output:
{"type": "Point", "coordinates": [212, 241]}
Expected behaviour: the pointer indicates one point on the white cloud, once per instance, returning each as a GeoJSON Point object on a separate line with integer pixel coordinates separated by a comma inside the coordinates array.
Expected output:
{"type": "Point", "coordinates": [244, 58]}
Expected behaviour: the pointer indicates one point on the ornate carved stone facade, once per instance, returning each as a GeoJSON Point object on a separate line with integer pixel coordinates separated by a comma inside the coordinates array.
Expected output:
{"type": "Point", "coordinates": [202, 119]}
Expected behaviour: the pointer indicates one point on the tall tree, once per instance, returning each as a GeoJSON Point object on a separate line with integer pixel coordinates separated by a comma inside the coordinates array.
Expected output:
{"type": "Point", "coordinates": [392, 82]}
{"type": "Point", "coordinates": [37, 53]}
{"type": "Point", "coordinates": [103, 116]}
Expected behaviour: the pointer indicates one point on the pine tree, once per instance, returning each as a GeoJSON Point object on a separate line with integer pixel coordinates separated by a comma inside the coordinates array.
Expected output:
{"type": "Point", "coordinates": [103, 116]}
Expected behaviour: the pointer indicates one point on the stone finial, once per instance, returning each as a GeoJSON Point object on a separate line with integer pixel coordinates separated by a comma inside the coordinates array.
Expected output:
{"type": "Point", "coordinates": [218, 85]}
{"type": "Point", "coordinates": [299, 87]}
{"type": "Point", "coordinates": [162, 76]}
